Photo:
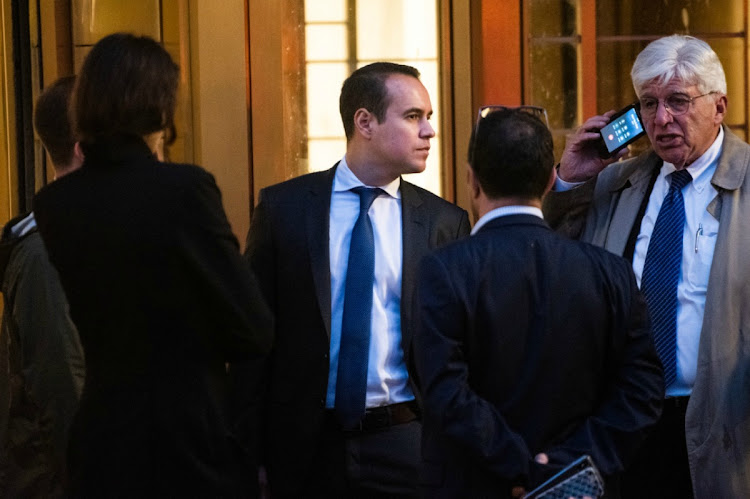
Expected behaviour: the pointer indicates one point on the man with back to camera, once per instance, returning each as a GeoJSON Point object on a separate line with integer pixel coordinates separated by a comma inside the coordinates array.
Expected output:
{"type": "Point", "coordinates": [531, 349]}
{"type": "Point", "coordinates": [40, 352]}
{"type": "Point", "coordinates": [335, 414]}
{"type": "Point", "coordinates": [698, 302]}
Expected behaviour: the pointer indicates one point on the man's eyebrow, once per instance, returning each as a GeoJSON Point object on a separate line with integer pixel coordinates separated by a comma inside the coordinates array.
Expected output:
{"type": "Point", "coordinates": [417, 110]}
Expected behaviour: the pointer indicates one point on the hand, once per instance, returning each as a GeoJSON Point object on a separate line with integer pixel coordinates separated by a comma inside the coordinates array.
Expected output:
{"type": "Point", "coordinates": [519, 491]}
{"type": "Point", "coordinates": [265, 490]}
{"type": "Point", "coordinates": [580, 160]}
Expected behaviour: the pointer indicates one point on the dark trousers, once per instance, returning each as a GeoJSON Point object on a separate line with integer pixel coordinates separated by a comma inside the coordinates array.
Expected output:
{"type": "Point", "coordinates": [381, 463]}
{"type": "Point", "coordinates": [660, 469]}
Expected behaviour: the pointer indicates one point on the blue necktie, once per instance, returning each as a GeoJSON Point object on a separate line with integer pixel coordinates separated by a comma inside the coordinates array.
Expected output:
{"type": "Point", "coordinates": [661, 272]}
{"type": "Point", "coordinates": [354, 349]}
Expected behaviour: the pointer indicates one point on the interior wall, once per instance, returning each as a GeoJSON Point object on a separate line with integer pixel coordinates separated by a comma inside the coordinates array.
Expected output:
{"type": "Point", "coordinates": [220, 123]}
{"type": "Point", "coordinates": [8, 201]}
{"type": "Point", "coordinates": [460, 105]}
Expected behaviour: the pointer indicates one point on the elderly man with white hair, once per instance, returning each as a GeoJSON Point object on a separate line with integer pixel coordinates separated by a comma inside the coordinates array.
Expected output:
{"type": "Point", "coordinates": [681, 213]}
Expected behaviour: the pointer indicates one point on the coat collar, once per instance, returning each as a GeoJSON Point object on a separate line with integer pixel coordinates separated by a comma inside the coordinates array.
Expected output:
{"type": "Point", "coordinates": [636, 171]}
{"type": "Point", "coordinates": [732, 168]}
{"type": "Point", "coordinates": [116, 149]}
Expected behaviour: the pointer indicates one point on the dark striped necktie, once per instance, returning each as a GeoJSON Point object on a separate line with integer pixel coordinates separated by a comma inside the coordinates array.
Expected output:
{"type": "Point", "coordinates": [661, 273]}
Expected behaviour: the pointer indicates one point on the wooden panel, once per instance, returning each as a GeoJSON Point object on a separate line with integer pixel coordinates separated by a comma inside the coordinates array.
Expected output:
{"type": "Point", "coordinates": [57, 44]}
{"type": "Point", "coordinates": [458, 99]}
{"type": "Point", "coordinates": [8, 159]}
{"type": "Point", "coordinates": [217, 47]}
{"type": "Point", "coordinates": [265, 42]}
{"type": "Point", "coordinates": [588, 59]}
{"type": "Point", "coordinates": [501, 45]}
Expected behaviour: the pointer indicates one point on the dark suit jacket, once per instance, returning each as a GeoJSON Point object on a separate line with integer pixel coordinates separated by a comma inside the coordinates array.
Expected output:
{"type": "Point", "coordinates": [162, 299]}
{"type": "Point", "coordinates": [287, 247]}
{"type": "Point", "coordinates": [528, 342]}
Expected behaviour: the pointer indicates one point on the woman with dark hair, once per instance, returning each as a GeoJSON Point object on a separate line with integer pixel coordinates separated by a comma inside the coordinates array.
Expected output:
{"type": "Point", "coordinates": [157, 288]}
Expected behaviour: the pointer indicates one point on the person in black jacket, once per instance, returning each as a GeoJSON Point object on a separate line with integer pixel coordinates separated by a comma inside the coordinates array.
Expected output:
{"type": "Point", "coordinates": [531, 349]}
{"type": "Point", "coordinates": [156, 286]}
{"type": "Point", "coordinates": [41, 356]}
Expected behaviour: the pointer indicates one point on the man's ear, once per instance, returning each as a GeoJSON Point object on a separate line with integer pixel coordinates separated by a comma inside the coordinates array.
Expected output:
{"type": "Point", "coordinates": [551, 181]}
{"type": "Point", "coordinates": [363, 122]}
{"type": "Point", "coordinates": [721, 109]}
{"type": "Point", "coordinates": [472, 182]}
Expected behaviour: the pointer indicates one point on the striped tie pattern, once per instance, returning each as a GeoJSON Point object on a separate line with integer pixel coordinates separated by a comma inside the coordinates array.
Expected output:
{"type": "Point", "coordinates": [661, 273]}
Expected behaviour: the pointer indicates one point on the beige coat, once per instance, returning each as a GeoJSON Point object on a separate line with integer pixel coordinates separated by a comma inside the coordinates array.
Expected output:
{"type": "Point", "coordinates": [717, 425]}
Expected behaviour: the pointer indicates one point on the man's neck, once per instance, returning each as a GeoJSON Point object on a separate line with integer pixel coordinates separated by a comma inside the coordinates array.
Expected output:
{"type": "Point", "coordinates": [365, 170]}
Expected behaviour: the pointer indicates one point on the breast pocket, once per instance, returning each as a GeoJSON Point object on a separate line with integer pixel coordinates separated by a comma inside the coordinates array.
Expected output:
{"type": "Point", "coordinates": [703, 254]}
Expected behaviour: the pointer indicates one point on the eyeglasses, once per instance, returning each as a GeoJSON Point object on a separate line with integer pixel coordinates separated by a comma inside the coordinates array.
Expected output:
{"type": "Point", "coordinates": [537, 111]}
{"type": "Point", "coordinates": [675, 104]}
{"type": "Point", "coordinates": [485, 111]}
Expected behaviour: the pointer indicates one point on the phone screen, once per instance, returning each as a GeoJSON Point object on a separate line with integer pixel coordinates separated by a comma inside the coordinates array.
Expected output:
{"type": "Point", "coordinates": [624, 128]}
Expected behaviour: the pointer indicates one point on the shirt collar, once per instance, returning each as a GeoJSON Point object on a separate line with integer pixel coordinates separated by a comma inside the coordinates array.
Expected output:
{"type": "Point", "coordinates": [703, 168]}
{"type": "Point", "coordinates": [346, 180]}
{"type": "Point", "coordinates": [505, 211]}
{"type": "Point", "coordinates": [24, 226]}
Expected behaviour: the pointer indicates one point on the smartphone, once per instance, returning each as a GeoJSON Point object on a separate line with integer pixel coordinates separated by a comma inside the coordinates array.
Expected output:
{"type": "Point", "coordinates": [579, 479]}
{"type": "Point", "coordinates": [624, 127]}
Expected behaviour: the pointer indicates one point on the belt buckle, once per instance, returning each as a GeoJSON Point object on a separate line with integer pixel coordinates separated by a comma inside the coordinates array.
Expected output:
{"type": "Point", "coordinates": [379, 418]}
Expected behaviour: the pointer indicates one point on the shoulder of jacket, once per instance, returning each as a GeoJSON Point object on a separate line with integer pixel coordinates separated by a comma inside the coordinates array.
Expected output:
{"type": "Point", "coordinates": [430, 197]}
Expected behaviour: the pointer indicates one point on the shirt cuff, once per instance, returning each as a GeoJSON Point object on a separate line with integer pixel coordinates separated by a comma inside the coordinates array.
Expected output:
{"type": "Point", "coordinates": [562, 185]}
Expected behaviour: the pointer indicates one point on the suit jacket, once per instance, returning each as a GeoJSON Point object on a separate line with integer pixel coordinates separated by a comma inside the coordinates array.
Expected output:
{"type": "Point", "coordinates": [162, 299]}
{"type": "Point", "coordinates": [287, 247]}
{"type": "Point", "coordinates": [528, 342]}
{"type": "Point", "coordinates": [717, 426]}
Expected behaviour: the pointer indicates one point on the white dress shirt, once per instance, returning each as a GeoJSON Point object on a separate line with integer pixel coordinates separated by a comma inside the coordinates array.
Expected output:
{"type": "Point", "coordinates": [698, 242]}
{"type": "Point", "coordinates": [387, 377]}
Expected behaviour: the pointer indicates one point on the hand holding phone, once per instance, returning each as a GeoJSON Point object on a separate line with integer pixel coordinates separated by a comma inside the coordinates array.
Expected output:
{"type": "Point", "coordinates": [624, 128]}
{"type": "Point", "coordinates": [581, 160]}
{"type": "Point", "coordinates": [579, 479]}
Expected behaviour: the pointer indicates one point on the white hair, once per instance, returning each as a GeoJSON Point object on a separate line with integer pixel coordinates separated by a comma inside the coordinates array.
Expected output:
{"type": "Point", "coordinates": [683, 57]}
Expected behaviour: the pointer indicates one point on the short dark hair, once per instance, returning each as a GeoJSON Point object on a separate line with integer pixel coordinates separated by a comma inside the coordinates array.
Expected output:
{"type": "Point", "coordinates": [512, 154]}
{"type": "Point", "coordinates": [52, 123]}
{"type": "Point", "coordinates": [365, 88]}
{"type": "Point", "coordinates": [127, 85]}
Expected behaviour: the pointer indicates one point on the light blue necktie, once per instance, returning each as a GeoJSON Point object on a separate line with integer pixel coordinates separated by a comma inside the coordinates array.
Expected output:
{"type": "Point", "coordinates": [661, 272]}
{"type": "Point", "coordinates": [354, 349]}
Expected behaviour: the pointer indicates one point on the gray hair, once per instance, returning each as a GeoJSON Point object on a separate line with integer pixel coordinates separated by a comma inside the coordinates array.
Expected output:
{"type": "Point", "coordinates": [684, 57]}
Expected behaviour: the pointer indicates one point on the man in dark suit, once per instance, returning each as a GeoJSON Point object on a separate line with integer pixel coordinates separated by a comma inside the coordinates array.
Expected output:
{"type": "Point", "coordinates": [531, 349]}
{"type": "Point", "coordinates": [320, 433]}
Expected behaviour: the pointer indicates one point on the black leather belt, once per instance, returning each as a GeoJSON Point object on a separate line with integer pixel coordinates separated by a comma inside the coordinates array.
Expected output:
{"type": "Point", "coordinates": [376, 418]}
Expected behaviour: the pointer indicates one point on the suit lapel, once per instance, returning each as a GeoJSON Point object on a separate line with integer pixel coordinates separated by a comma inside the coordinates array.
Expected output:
{"type": "Point", "coordinates": [415, 243]}
{"type": "Point", "coordinates": [632, 186]}
{"type": "Point", "coordinates": [317, 223]}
